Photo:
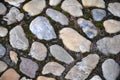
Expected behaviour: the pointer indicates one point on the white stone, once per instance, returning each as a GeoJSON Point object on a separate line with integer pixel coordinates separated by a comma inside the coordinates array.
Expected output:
{"type": "Point", "coordinates": [96, 77]}
{"type": "Point", "coordinates": [42, 28]}
{"type": "Point", "coordinates": [111, 26]}
{"type": "Point", "coordinates": [3, 9]}
{"type": "Point", "coordinates": [73, 7]}
{"type": "Point", "coordinates": [3, 66]}
{"type": "Point", "coordinates": [3, 31]}
{"type": "Point", "coordinates": [34, 7]}
{"type": "Point", "coordinates": [110, 69]}
{"type": "Point", "coordinates": [60, 54]}
{"type": "Point", "coordinates": [114, 8]}
{"type": "Point", "coordinates": [54, 2]}
{"type": "Point", "coordinates": [83, 69]}
{"type": "Point", "coordinates": [38, 51]}
{"type": "Point", "coordinates": [18, 38]}
{"type": "Point", "coordinates": [57, 16]}
{"type": "Point", "coordinates": [94, 3]}
{"type": "Point", "coordinates": [74, 41]}
{"type": "Point", "coordinates": [53, 68]}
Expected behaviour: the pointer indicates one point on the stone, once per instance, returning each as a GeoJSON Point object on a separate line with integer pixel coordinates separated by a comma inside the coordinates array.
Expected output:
{"type": "Point", "coordinates": [109, 45]}
{"type": "Point", "coordinates": [114, 8]}
{"type": "Point", "coordinates": [32, 9]}
{"type": "Point", "coordinates": [45, 78]}
{"type": "Point", "coordinates": [73, 7]}
{"type": "Point", "coordinates": [38, 51]}
{"type": "Point", "coordinates": [14, 56]}
{"type": "Point", "coordinates": [61, 54]}
{"type": "Point", "coordinates": [18, 38]}
{"type": "Point", "coordinates": [88, 27]}
{"type": "Point", "coordinates": [3, 66]}
{"type": "Point", "coordinates": [3, 31]}
{"type": "Point", "coordinates": [83, 69]}
{"type": "Point", "coordinates": [98, 14]}
{"type": "Point", "coordinates": [96, 77]}
{"type": "Point", "coordinates": [24, 78]}
{"type": "Point", "coordinates": [28, 67]}
{"type": "Point", "coordinates": [15, 2]}
{"type": "Point", "coordinates": [110, 69]}
{"type": "Point", "coordinates": [42, 28]}
{"type": "Point", "coordinates": [10, 74]}
{"type": "Point", "coordinates": [94, 3]}
{"type": "Point", "coordinates": [2, 50]}
{"type": "Point", "coordinates": [53, 68]}
{"type": "Point", "coordinates": [74, 41]}
{"type": "Point", "coordinates": [3, 9]}
{"type": "Point", "coordinates": [111, 26]}
{"type": "Point", "coordinates": [54, 2]}
{"type": "Point", "coordinates": [57, 16]}
{"type": "Point", "coordinates": [13, 16]}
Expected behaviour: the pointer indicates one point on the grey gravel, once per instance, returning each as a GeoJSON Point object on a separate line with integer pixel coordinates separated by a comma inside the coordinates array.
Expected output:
{"type": "Point", "coordinates": [3, 66]}
{"type": "Point", "coordinates": [2, 50]}
{"type": "Point", "coordinates": [3, 31]}
{"type": "Point", "coordinates": [3, 9]}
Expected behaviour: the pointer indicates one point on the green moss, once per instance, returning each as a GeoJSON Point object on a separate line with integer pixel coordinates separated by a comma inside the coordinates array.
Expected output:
{"type": "Point", "coordinates": [98, 24]}
{"type": "Point", "coordinates": [86, 15]}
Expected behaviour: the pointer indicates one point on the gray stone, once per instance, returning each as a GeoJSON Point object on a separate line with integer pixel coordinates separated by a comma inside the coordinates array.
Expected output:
{"type": "Point", "coordinates": [114, 8]}
{"type": "Point", "coordinates": [2, 50]}
{"type": "Point", "coordinates": [110, 69]}
{"type": "Point", "coordinates": [73, 7]}
{"type": "Point", "coordinates": [94, 3]}
{"type": "Point", "coordinates": [3, 9]}
{"type": "Point", "coordinates": [96, 77]}
{"type": "Point", "coordinates": [53, 68]}
{"type": "Point", "coordinates": [83, 69]}
{"type": "Point", "coordinates": [24, 78]}
{"type": "Point", "coordinates": [42, 28]}
{"type": "Point", "coordinates": [13, 16]}
{"type": "Point", "coordinates": [38, 51]}
{"type": "Point", "coordinates": [98, 14]}
{"type": "Point", "coordinates": [109, 45]}
{"type": "Point", "coordinates": [18, 39]}
{"type": "Point", "coordinates": [3, 66]}
{"type": "Point", "coordinates": [88, 27]}
{"type": "Point", "coordinates": [34, 7]}
{"type": "Point", "coordinates": [15, 2]}
{"type": "Point", "coordinates": [60, 54]}
{"type": "Point", "coordinates": [28, 67]}
{"type": "Point", "coordinates": [57, 16]}
{"type": "Point", "coordinates": [54, 2]}
{"type": "Point", "coordinates": [111, 26]}
{"type": "Point", "coordinates": [74, 41]}
{"type": "Point", "coordinates": [3, 31]}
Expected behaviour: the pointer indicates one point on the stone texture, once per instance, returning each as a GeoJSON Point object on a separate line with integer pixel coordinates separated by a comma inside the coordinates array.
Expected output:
{"type": "Point", "coordinates": [24, 78]}
{"type": "Point", "coordinates": [98, 14]}
{"type": "Point", "coordinates": [114, 8]}
{"type": "Point", "coordinates": [53, 68]}
{"type": "Point", "coordinates": [61, 54]}
{"type": "Point", "coordinates": [14, 56]}
{"type": "Point", "coordinates": [54, 2]}
{"type": "Point", "coordinates": [111, 26]}
{"type": "Point", "coordinates": [15, 2]}
{"type": "Point", "coordinates": [2, 50]}
{"type": "Point", "coordinates": [45, 78]}
{"type": "Point", "coordinates": [42, 28]}
{"type": "Point", "coordinates": [74, 41]}
{"type": "Point", "coordinates": [3, 9]}
{"type": "Point", "coordinates": [110, 69]}
{"type": "Point", "coordinates": [57, 16]}
{"type": "Point", "coordinates": [13, 16]}
{"type": "Point", "coordinates": [109, 45]}
{"type": "Point", "coordinates": [73, 7]}
{"type": "Point", "coordinates": [83, 69]}
{"type": "Point", "coordinates": [38, 51]}
{"type": "Point", "coordinates": [88, 27]}
{"type": "Point", "coordinates": [34, 7]}
{"type": "Point", "coordinates": [10, 74]}
{"type": "Point", "coordinates": [3, 66]}
{"type": "Point", "coordinates": [94, 3]}
{"type": "Point", "coordinates": [96, 77]}
{"type": "Point", "coordinates": [18, 38]}
{"type": "Point", "coordinates": [28, 67]}
{"type": "Point", "coordinates": [3, 31]}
